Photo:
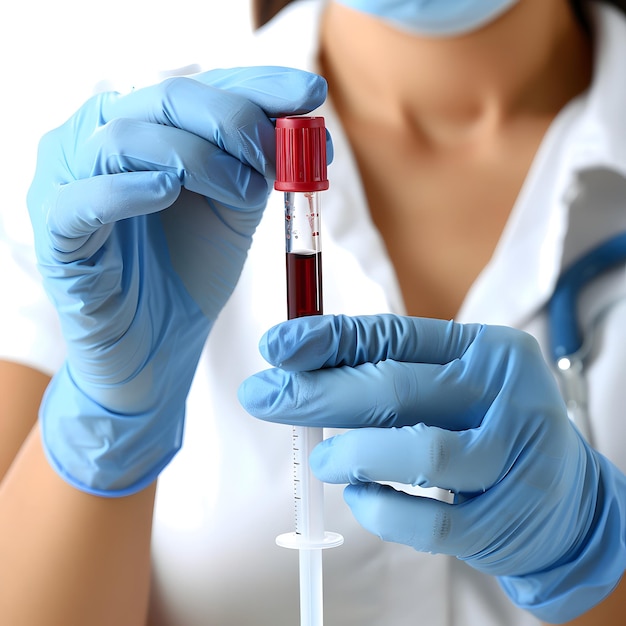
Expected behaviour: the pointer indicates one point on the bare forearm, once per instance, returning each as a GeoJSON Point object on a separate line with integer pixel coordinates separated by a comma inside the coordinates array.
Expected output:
{"type": "Point", "coordinates": [22, 388]}
{"type": "Point", "coordinates": [68, 558]}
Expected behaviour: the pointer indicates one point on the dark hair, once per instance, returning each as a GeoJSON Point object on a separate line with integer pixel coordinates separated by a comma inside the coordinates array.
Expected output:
{"type": "Point", "coordinates": [264, 10]}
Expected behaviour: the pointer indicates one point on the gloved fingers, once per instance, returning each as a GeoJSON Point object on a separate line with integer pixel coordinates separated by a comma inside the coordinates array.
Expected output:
{"type": "Point", "coordinates": [310, 343]}
{"type": "Point", "coordinates": [449, 376]}
{"type": "Point", "coordinates": [417, 455]}
{"type": "Point", "coordinates": [384, 394]}
{"type": "Point", "coordinates": [474, 530]}
{"type": "Point", "coordinates": [277, 90]}
{"type": "Point", "coordinates": [226, 116]}
{"type": "Point", "coordinates": [82, 207]}
{"type": "Point", "coordinates": [126, 145]}
{"type": "Point", "coordinates": [425, 524]}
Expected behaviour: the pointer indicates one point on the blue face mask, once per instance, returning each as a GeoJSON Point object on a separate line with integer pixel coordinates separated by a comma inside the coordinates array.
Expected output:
{"type": "Point", "coordinates": [434, 18]}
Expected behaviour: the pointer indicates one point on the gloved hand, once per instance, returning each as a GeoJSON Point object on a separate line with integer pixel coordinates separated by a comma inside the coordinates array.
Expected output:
{"type": "Point", "coordinates": [143, 208]}
{"type": "Point", "coordinates": [468, 408]}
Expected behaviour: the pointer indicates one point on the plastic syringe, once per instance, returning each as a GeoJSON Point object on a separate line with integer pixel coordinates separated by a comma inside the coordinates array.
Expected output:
{"type": "Point", "coordinates": [301, 175]}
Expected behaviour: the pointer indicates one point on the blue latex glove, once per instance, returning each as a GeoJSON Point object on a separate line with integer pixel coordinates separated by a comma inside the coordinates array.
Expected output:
{"type": "Point", "coordinates": [468, 408]}
{"type": "Point", "coordinates": [143, 208]}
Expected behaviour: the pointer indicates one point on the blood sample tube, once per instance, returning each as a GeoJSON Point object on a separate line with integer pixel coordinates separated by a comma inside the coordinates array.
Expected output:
{"type": "Point", "coordinates": [301, 175]}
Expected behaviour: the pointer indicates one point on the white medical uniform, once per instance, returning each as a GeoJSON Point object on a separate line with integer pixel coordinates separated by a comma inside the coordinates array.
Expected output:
{"type": "Point", "coordinates": [227, 494]}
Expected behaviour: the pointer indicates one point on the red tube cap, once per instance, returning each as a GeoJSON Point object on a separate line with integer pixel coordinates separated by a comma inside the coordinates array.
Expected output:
{"type": "Point", "coordinates": [300, 154]}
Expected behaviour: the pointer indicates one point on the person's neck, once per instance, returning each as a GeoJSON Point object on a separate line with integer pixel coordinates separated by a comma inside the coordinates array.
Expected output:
{"type": "Point", "coordinates": [532, 60]}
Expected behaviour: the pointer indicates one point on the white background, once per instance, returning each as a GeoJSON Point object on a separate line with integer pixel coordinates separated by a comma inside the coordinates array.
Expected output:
{"type": "Point", "coordinates": [54, 54]}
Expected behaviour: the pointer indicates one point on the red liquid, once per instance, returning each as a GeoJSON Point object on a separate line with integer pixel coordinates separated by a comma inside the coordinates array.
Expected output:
{"type": "Point", "coordinates": [304, 284]}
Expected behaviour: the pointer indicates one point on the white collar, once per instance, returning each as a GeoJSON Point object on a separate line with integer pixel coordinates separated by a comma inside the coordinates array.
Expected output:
{"type": "Point", "coordinates": [600, 137]}
{"type": "Point", "coordinates": [589, 133]}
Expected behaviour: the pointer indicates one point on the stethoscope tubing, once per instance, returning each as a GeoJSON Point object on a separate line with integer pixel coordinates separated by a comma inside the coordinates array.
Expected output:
{"type": "Point", "coordinates": [565, 331]}
{"type": "Point", "coordinates": [566, 337]}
